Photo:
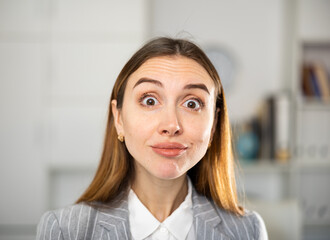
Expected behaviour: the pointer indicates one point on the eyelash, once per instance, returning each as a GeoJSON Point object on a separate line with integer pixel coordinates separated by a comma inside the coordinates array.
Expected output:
{"type": "Point", "coordinates": [146, 95]}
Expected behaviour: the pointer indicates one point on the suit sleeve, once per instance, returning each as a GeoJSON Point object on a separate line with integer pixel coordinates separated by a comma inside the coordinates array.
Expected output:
{"type": "Point", "coordinates": [48, 228]}
{"type": "Point", "coordinates": [260, 228]}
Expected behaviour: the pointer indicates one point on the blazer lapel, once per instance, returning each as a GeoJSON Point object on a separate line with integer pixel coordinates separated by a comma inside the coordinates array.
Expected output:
{"type": "Point", "coordinates": [206, 219]}
{"type": "Point", "coordinates": [114, 222]}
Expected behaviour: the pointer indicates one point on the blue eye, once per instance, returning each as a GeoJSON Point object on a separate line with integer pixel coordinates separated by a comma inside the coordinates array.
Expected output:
{"type": "Point", "coordinates": [149, 101]}
{"type": "Point", "coordinates": [193, 104]}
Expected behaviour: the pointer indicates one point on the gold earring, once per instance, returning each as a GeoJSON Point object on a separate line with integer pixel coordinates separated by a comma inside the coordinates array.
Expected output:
{"type": "Point", "coordinates": [209, 145]}
{"type": "Point", "coordinates": [121, 137]}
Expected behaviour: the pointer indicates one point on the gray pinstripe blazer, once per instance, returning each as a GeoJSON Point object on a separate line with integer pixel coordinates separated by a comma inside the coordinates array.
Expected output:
{"type": "Point", "coordinates": [81, 221]}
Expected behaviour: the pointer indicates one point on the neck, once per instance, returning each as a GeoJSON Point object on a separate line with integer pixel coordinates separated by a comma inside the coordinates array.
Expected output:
{"type": "Point", "coordinates": [161, 197]}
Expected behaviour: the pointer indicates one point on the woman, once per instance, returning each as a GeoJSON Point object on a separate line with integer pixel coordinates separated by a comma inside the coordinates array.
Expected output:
{"type": "Point", "coordinates": [167, 170]}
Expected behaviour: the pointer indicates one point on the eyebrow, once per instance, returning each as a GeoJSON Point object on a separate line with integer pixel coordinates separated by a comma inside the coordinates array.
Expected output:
{"type": "Point", "coordinates": [158, 83]}
{"type": "Point", "coordinates": [148, 80]}
{"type": "Point", "coordinates": [200, 86]}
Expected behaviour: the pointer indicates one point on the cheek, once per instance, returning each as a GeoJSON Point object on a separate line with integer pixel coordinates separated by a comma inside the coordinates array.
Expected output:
{"type": "Point", "coordinates": [199, 137]}
{"type": "Point", "coordinates": [135, 127]}
{"type": "Point", "coordinates": [136, 134]}
{"type": "Point", "coordinates": [199, 130]}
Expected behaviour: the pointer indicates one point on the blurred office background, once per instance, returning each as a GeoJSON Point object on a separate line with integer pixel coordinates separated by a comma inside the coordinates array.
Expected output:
{"type": "Point", "coordinates": [60, 58]}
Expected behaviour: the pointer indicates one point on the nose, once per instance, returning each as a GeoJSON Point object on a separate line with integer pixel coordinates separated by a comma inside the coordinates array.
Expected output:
{"type": "Point", "coordinates": [169, 123]}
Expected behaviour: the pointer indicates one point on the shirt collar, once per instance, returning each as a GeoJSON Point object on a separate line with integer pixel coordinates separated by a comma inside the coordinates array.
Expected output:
{"type": "Point", "coordinates": [143, 223]}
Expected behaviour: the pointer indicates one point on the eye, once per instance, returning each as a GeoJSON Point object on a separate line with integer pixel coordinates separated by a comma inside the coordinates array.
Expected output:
{"type": "Point", "coordinates": [149, 101]}
{"type": "Point", "coordinates": [193, 104]}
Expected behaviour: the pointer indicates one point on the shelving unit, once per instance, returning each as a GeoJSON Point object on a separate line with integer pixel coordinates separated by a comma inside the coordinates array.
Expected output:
{"type": "Point", "coordinates": [306, 176]}
{"type": "Point", "coordinates": [311, 166]}
{"type": "Point", "coordinates": [274, 177]}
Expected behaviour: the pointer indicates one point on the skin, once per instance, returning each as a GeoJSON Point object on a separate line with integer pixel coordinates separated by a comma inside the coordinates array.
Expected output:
{"type": "Point", "coordinates": [168, 99]}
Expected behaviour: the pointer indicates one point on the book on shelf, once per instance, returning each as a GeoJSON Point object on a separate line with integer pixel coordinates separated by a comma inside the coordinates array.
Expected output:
{"type": "Point", "coordinates": [307, 86]}
{"type": "Point", "coordinates": [274, 121]}
{"type": "Point", "coordinates": [267, 129]}
{"type": "Point", "coordinates": [282, 111]}
{"type": "Point", "coordinates": [323, 81]}
{"type": "Point", "coordinates": [315, 81]}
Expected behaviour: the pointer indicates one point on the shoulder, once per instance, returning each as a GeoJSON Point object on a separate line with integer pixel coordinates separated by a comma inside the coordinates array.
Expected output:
{"type": "Point", "coordinates": [258, 224]}
{"type": "Point", "coordinates": [62, 223]}
{"type": "Point", "coordinates": [248, 225]}
{"type": "Point", "coordinates": [225, 223]}
{"type": "Point", "coordinates": [83, 221]}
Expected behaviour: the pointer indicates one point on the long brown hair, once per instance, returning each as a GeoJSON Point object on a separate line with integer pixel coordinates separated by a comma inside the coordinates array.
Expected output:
{"type": "Point", "coordinates": [213, 176]}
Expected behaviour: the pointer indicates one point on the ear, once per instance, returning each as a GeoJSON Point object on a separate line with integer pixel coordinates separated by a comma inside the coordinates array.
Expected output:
{"type": "Point", "coordinates": [117, 118]}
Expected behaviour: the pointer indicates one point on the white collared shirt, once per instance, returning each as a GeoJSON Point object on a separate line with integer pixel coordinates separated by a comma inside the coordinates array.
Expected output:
{"type": "Point", "coordinates": [144, 226]}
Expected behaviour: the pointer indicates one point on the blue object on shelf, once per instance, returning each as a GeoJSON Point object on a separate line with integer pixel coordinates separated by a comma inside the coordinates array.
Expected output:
{"type": "Point", "coordinates": [248, 145]}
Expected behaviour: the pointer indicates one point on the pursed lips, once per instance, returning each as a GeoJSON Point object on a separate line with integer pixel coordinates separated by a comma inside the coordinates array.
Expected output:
{"type": "Point", "coordinates": [169, 149]}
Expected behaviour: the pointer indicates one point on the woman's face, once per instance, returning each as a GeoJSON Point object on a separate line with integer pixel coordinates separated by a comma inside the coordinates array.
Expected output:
{"type": "Point", "coordinates": [167, 116]}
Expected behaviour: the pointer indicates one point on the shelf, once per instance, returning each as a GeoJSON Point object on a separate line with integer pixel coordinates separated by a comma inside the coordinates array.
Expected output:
{"type": "Point", "coordinates": [315, 164]}
{"type": "Point", "coordinates": [276, 167]}
{"type": "Point", "coordinates": [315, 42]}
{"type": "Point", "coordinates": [313, 104]}
{"type": "Point", "coordinates": [264, 166]}
{"type": "Point", "coordinates": [318, 224]}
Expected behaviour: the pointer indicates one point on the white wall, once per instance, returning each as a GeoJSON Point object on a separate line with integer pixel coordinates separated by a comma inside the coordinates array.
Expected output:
{"type": "Point", "coordinates": [21, 67]}
{"type": "Point", "coordinates": [58, 62]}
{"type": "Point", "coordinates": [313, 20]}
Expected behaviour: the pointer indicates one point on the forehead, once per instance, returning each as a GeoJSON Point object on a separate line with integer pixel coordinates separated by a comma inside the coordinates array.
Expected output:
{"type": "Point", "coordinates": [172, 67]}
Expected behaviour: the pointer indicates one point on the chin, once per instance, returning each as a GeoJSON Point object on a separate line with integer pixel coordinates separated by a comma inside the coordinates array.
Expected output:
{"type": "Point", "coordinates": [168, 172]}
